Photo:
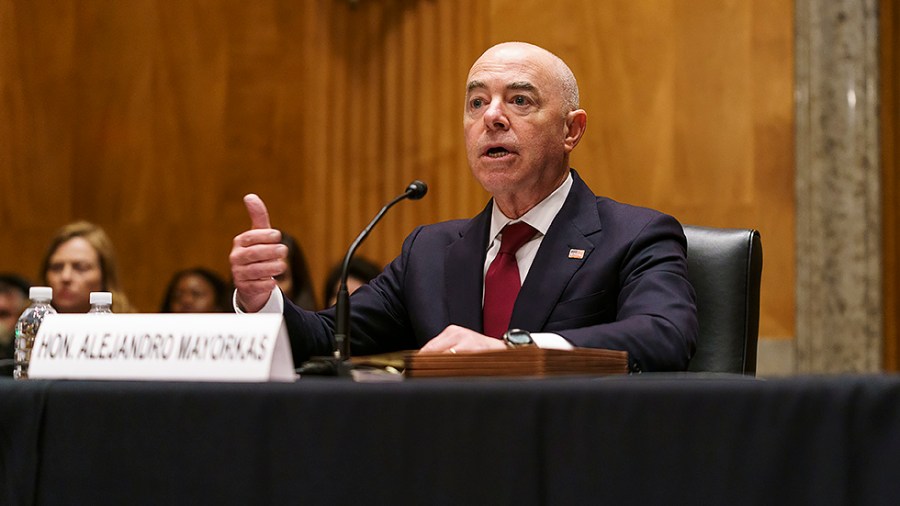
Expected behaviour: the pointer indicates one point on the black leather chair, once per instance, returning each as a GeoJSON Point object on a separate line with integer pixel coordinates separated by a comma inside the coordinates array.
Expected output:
{"type": "Point", "coordinates": [725, 266]}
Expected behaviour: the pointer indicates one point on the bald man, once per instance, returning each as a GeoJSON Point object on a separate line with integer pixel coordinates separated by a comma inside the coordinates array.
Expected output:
{"type": "Point", "coordinates": [592, 272]}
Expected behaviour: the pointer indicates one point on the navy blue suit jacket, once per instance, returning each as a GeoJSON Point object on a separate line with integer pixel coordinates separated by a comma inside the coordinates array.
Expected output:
{"type": "Point", "coordinates": [628, 292]}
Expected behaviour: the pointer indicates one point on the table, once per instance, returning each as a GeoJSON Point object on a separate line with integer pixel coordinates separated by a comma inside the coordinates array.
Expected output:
{"type": "Point", "coordinates": [646, 439]}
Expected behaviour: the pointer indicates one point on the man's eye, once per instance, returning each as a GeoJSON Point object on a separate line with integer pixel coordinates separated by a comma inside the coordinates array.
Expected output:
{"type": "Point", "coordinates": [477, 102]}
{"type": "Point", "coordinates": [520, 100]}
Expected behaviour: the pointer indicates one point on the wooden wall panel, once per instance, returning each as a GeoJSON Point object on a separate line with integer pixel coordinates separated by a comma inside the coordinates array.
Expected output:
{"type": "Point", "coordinates": [153, 118]}
{"type": "Point", "coordinates": [889, 33]}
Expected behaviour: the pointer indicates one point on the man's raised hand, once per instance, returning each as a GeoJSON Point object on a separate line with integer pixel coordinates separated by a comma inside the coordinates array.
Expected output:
{"type": "Point", "coordinates": [257, 256]}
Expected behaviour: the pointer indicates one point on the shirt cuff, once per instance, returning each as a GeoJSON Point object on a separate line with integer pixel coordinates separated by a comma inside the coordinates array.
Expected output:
{"type": "Point", "coordinates": [551, 341]}
{"type": "Point", "coordinates": [274, 305]}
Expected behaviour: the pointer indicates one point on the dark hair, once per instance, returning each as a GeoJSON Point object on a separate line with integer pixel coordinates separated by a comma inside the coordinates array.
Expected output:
{"type": "Point", "coordinates": [359, 268]}
{"type": "Point", "coordinates": [220, 288]}
{"type": "Point", "coordinates": [14, 283]}
{"type": "Point", "coordinates": [303, 294]}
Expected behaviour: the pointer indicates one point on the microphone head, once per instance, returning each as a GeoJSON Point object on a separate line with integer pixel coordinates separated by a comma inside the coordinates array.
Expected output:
{"type": "Point", "coordinates": [416, 190]}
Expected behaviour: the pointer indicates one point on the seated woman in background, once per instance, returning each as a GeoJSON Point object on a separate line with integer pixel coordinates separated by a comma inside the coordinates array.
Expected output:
{"type": "Point", "coordinates": [359, 272]}
{"type": "Point", "coordinates": [81, 260]}
{"type": "Point", "coordinates": [197, 290]}
{"type": "Point", "coordinates": [295, 281]}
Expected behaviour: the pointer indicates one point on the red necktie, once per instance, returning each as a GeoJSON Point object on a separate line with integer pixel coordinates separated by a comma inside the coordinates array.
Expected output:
{"type": "Point", "coordinates": [502, 284]}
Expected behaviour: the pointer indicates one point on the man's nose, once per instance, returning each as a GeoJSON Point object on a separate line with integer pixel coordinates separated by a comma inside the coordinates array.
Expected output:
{"type": "Point", "coordinates": [495, 116]}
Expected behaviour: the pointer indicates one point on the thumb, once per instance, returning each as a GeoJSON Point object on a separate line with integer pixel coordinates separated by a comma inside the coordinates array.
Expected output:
{"type": "Point", "coordinates": [259, 216]}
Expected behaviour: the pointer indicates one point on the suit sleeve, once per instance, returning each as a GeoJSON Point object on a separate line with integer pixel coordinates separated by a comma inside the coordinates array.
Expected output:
{"type": "Point", "coordinates": [656, 316]}
{"type": "Point", "coordinates": [379, 321]}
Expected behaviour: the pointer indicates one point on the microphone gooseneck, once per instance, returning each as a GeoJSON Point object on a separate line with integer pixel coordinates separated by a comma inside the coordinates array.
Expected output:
{"type": "Point", "coordinates": [415, 191]}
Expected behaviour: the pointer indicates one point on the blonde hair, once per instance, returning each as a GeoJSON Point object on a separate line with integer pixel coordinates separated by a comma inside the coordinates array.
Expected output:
{"type": "Point", "coordinates": [97, 238]}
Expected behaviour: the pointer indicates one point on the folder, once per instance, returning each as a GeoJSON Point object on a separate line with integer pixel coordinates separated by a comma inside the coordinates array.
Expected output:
{"type": "Point", "coordinates": [523, 361]}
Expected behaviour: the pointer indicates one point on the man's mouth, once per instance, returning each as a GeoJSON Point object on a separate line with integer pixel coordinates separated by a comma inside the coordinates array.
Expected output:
{"type": "Point", "coordinates": [497, 152]}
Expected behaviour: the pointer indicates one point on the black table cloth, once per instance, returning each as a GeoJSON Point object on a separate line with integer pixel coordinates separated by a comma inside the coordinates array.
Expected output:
{"type": "Point", "coordinates": [646, 439]}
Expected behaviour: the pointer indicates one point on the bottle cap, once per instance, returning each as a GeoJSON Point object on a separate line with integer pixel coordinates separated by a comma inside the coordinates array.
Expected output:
{"type": "Point", "coordinates": [101, 298]}
{"type": "Point", "coordinates": [40, 293]}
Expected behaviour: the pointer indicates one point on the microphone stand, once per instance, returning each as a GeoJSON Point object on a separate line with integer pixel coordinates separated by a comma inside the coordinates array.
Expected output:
{"type": "Point", "coordinates": [339, 363]}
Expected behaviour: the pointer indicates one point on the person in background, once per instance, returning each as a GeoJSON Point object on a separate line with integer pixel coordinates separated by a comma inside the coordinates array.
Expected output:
{"type": "Point", "coordinates": [81, 260]}
{"type": "Point", "coordinates": [197, 290]}
{"type": "Point", "coordinates": [295, 282]}
{"type": "Point", "coordinates": [359, 272]}
{"type": "Point", "coordinates": [13, 300]}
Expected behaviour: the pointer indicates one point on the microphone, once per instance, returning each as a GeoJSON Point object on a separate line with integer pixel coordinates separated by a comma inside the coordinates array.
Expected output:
{"type": "Point", "coordinates": [416, 190]}
{"type": "Point", "coordinates": [336, 365]}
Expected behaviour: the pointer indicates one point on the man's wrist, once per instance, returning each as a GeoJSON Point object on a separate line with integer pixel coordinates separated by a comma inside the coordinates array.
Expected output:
{"type": "Point", "coordinates": [518, 338]}
{"type": "Point", "coordinates": [273, 304]}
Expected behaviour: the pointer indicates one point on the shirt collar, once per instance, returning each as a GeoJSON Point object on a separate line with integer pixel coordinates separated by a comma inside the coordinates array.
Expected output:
{"type": "Point", "coordinates": [539, 217]}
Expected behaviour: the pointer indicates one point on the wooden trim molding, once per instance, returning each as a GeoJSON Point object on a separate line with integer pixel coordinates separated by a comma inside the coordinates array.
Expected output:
{"type": "Point", "coordinates": [889, 19]}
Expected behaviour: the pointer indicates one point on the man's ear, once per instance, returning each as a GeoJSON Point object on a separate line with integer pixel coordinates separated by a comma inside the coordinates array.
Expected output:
{"type": "Point", "coordinates": [576, 122]}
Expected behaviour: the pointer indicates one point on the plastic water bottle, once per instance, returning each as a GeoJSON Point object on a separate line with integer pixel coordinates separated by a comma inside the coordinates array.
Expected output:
{"type": "Point", "coordinates": [27, 327]}
{"type": "Point", "coordinates": [101, 302]}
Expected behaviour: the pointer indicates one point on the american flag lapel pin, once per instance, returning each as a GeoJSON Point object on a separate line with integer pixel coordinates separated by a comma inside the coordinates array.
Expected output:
{"type": "Point", "coordinates": [577, 254]}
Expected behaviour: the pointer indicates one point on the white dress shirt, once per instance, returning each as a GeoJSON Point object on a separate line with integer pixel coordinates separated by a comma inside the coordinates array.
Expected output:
{"type": "Point", "coordinates": [539, 217]}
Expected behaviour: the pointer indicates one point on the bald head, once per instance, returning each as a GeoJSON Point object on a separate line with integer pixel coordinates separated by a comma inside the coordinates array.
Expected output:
{"type": "Point", "coordinates": [554, 65]}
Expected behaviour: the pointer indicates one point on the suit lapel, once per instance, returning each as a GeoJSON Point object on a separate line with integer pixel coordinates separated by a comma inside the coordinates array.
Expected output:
{"type": "Point", "coordinates": [464, 271]}
{"type": "Point", "coordinates": [553, 268]}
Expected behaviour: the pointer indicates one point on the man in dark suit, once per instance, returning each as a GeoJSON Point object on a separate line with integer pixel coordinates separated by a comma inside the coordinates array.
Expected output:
{"type": "Point", "coordinates": [593, 272]}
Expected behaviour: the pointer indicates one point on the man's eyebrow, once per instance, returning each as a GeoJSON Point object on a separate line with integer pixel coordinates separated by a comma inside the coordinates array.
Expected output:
{"type": "Point", "coordinates": [516, 85]}
{"type": "Point", "coordinates": [475, 84]}
{"type": "Point", "coordinates": [521, 85]}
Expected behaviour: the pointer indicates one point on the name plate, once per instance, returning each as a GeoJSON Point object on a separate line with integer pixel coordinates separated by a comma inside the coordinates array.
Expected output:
{"type": "Point", "coordinates": [192, 347]}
